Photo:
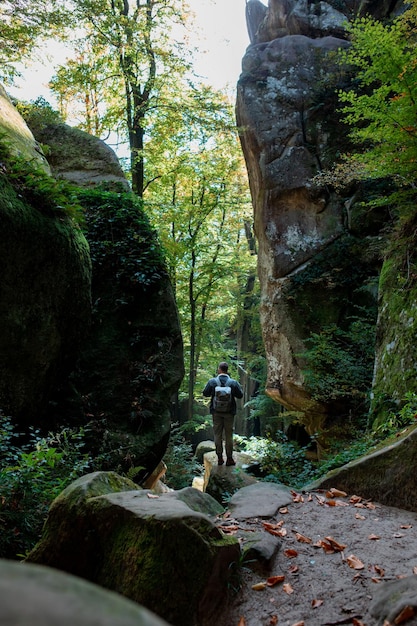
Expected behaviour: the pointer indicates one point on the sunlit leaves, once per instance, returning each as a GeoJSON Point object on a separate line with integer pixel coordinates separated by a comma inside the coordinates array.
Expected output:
{"type": "Point", "coordinates": [381, 108]}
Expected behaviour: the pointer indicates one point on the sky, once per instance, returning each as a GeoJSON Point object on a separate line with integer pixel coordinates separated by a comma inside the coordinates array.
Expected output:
{"type": "Point", "coordinates": [221, 33]}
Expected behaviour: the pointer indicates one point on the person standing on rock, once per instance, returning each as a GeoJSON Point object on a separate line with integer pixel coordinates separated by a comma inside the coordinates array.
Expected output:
{"type": "Point", "coordinates": [223, 390]}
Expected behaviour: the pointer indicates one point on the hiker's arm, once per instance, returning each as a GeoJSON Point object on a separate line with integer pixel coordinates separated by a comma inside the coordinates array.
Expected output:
{"type": "Point", "coordinates": [237, 390]}
{"type": "Point", "coordinates": [208, 390]}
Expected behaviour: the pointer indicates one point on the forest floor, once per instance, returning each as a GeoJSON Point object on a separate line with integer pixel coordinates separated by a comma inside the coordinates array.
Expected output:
{"type": "Point", "coordinates": [336, 552]}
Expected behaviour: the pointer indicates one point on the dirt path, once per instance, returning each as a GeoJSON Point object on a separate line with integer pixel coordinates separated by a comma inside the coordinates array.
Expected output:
{"type": "Point", "coordinates": [324, 586]}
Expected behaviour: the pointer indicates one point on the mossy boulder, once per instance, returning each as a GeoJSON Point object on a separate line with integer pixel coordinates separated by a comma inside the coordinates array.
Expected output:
{"type": "Point", "coordinates": [79, 157]}
{"type": "Point", "coordinates": [15, 132]}
{"type": "Point", "coordinates": [42, 596]}
{"type": "Point", "coordinates": [386, 475]}
{"type": "Point", "coordinates": [45, 298]}
{"type": "Point", "coordinates": [131, 364]}
{"type": "Point", "coordinates": [164, 552]}
{"type": "Point", "coordinates": [396, 347]}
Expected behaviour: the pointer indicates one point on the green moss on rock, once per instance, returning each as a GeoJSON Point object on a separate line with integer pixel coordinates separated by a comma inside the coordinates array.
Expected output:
{"type": "Point", "coordinates": [45, 303]}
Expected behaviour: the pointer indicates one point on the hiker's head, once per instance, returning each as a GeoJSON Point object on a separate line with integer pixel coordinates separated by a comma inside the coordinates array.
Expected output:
{"type": "Point", "coordinates": [223, 367]}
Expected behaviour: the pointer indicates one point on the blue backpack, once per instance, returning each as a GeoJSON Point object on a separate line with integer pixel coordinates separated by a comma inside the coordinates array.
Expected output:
{"type": "Point", "coordinates": [222, 399]}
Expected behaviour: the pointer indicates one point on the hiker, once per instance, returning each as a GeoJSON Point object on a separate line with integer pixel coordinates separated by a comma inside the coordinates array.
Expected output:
{"type": "Point", "coordinates": [223, 390]}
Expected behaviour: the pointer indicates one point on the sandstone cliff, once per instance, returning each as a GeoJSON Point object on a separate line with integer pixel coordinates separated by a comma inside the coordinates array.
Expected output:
{"type": "Point", "coordinates": [319, 251]}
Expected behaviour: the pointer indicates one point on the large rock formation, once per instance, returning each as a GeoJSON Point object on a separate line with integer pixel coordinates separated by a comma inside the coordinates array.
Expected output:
{"type": "Point", "coordinates": [115, 364]}
{"type": "Point", "coordinates": [319, 253]}
{"type": "Point", "coordinates": [42, 596]}
{"type": "Point", "coordinates": [385, 475]}
{"type": "Point", "coordinates": [164, 552]}
{"type": "Point", "coordinates": [45, 278]}
{"type": "Point", "coordinates": [79, 157]}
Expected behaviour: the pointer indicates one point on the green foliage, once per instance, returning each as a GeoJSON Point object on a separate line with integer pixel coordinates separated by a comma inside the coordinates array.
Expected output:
{"type": "Point", "coordinates": [381, 107]}
{"type": "Point", "coordinates": [340, 362]}
{"type": "Point", "coordinates": [121, 237]}
{"type": "Point", "coordinates": [262, 406]}
{"type": "Point", "coordinates": [32, 474]}
{"type": "Point", "coordinates": [38, 114]}
{"type": "Point", "coordinates": [182, 465]}
{"type": "Point", "coordinates": [46, 194]}
{"type": "Point", "coordinates": [22, 25]}
{"type": "Point", "coordinates": [280, 460]}
{"type": "Point", "coordinates": [396, 420]}
{"type": "Point", "coordinates": [343, 453]}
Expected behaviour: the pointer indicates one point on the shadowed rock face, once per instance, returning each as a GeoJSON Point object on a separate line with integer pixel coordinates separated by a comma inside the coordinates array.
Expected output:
{"type": "Point", "coordinates": [287, 112]}
{"type": "Point", "coordinates": [115, 364]}
{"type": "Point", "coordinates": [45, 300]}
{"type": "Point", "coordinates": [163, 552]}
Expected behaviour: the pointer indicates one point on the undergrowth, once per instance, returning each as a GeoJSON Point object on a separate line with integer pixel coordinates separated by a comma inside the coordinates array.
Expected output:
{"type": "Point", "coordinates": [285, 462]}
{"type": "Point", "coordinates": [32, 474]}
{"type": "Point", "coordinates": [49, 196]}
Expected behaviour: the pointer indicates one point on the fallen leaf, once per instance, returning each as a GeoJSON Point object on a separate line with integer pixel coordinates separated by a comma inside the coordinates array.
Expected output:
{"type": "Point", "coordinates": [302, 538]}
{"type": "Point", "coordinates": [283, 510]}
{"type": "Point", "coordinates": [225, 516]}
{"type": "Point", "coordinates": [258, 586]}
{"type": "Point", "coordinates": [274, 620]}
{"type": "Point", "coordinates": [274, 526]}
{"type": "Point", "coordinates": [290, 553]}
{"type": "Point", "coordinates": [359, 516]}
{"type": "Point", "coordinates": [293, 569]}
{"type": "Point", "coordinates": [331, 503]}
{"type": "Point", "coordinates": [298, 624]}
{"type": "Point", "coordinates": [371, 506]}
{"type": "Point", "coordinates": [359, 505]}
{"type": "Point", "coordinates": [152, 496]}
{"type": "Point", "coordinates": [320, 499]}
{"type": "Point", "coordinates": [275, 529]}
{"type": "Point", "coordinates": [397, 535]}
{"type": "Point", "coordinates": [357, 622]}
{"type": "Point", "coordinates": [355, 499]}
{"type": "Point", "coordinates": [316, 603]}
{"type": "Point", "coordinates": [374, 537]}
{"type": "Point", "coordinates": [337, 493]}
{"type": "Point", "coordinates": [414, 570]}
{"type": "Point", "coordinates": [354, 562]}
{"type": "Point", "coordinates": [376, 580]}
{"type": "Point", "coordinates": [327, 547]}
{"type": "Point", "coordinates": [377, 569]}
{"type": "Point", "coordinates": [310, 497]}
{"type": "Point", "coordinates": [296, 497]}
{"type": "Point", "coordinates": [338, 547]}
{"type": "Point", "coordinates": [242, 622]}
{"type": "Point", "coordinates": [274, 580]}
{"type": "Point", "coordinates": [229, 530]}
{"type": "Point", "coordinates": [287, 588]}
{"type": "Point", "coordinates": [406, 526]}
{"type": "Point", "coordinates": [407, 613]}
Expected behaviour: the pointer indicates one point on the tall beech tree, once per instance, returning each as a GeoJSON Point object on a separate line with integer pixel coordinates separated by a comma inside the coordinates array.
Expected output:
{"type": "Point", "coordinates": [199, 202]}
{"type": "Point", "coordinates": [139, 61]}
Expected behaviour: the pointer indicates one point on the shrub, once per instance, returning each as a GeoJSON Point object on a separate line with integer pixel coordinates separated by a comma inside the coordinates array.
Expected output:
{"type": "Point", "coordinates": [281, 460]}
{"type": "Point", "coordinates": [181, 463]}
{"type": "Point", "coordinates": [32, 474]}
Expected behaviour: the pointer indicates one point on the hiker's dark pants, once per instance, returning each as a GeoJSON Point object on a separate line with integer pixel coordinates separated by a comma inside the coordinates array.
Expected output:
{"type": "Point", "coordinates": [223, 422]}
